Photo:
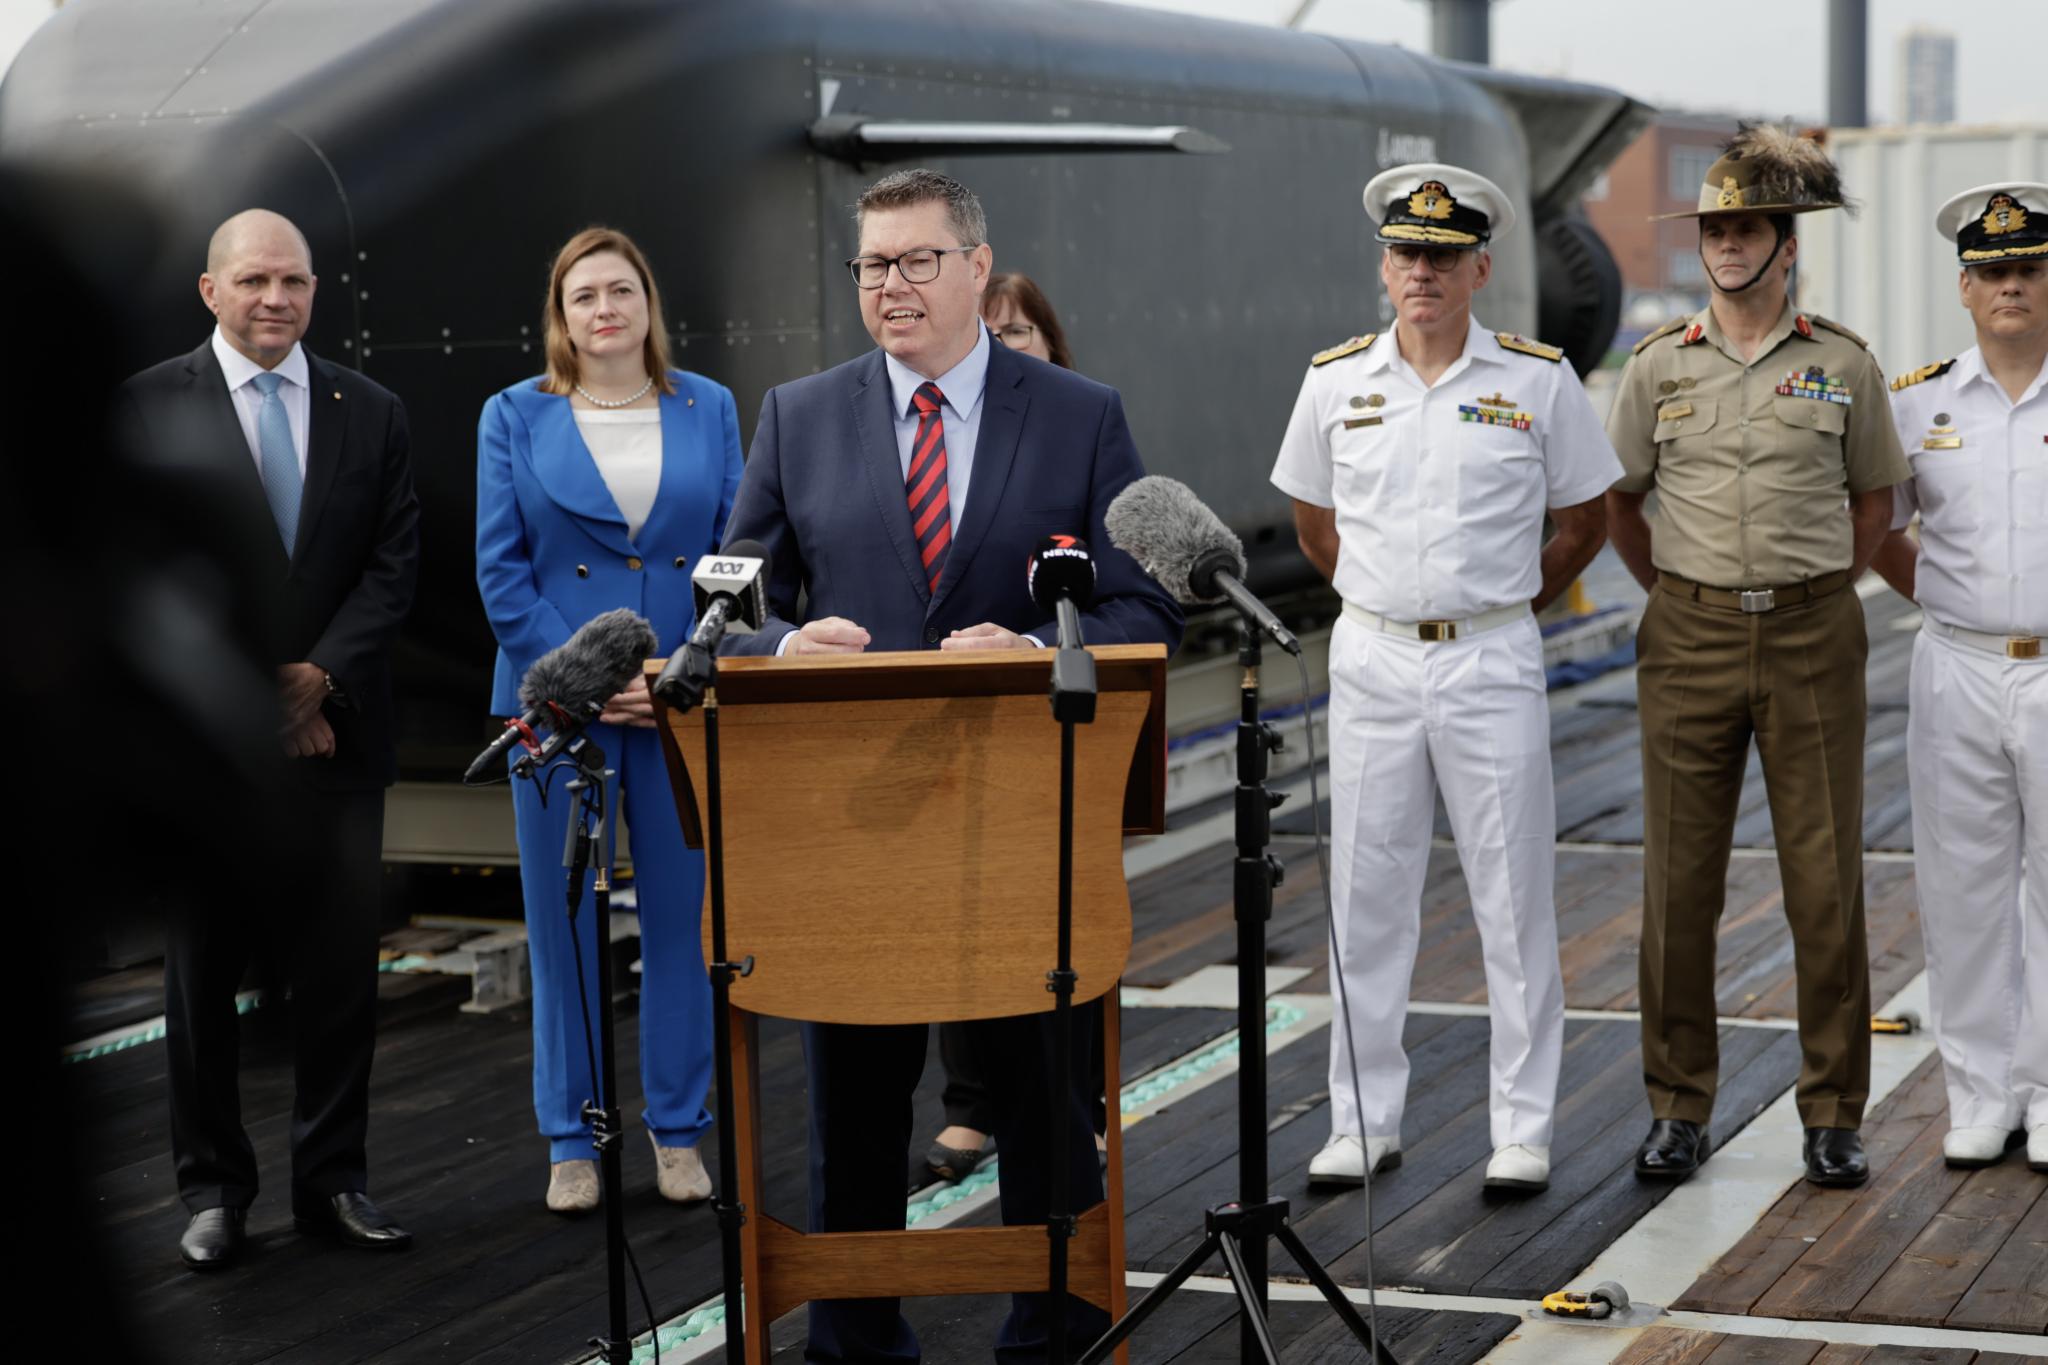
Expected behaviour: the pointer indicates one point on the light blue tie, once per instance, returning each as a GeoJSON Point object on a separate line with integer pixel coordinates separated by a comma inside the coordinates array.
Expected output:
{"type": "Point", "coordinates": [282, 483]}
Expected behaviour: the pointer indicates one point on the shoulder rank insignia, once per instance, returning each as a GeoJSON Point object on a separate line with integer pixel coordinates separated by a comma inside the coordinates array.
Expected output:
{"type": "Point", "coordinates": [1922, 375]}
{"type": "Point", "coordinates": [1515, 342]}
{"type": "Point", "coordinates": [1351, 347]}
{"type": "Point", "coordinates": [1835, 327]}
{"type": "Point", "coordinates": [1666, 330]}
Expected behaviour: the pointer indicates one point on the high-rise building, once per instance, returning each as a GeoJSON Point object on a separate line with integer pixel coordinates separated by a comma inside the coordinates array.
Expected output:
{"type": "Point", "coordinates": [1927, 76]}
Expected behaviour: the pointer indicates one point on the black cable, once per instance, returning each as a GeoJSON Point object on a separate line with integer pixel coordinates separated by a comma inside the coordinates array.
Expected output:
{"type": "Point", "coordinates": [587, 807]}
{"type": "Point", "coordinates": [1308, 728]}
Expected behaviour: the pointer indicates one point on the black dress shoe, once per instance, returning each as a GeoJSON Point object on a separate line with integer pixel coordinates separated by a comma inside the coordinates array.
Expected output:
{"type": "Point", "coordinates": [212, 1239]}
{"type": "Point", "coordinates": [1673, 1150]}
{"type": "Point", "coordinates": [1834, 1157]}
{"type": "Point", "coordinates": [354, 1221]}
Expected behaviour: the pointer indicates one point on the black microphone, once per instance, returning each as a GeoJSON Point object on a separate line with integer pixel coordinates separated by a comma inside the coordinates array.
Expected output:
{"type": "Point", "coordinates": [1061, 580]}
{"type": "Point", "coordinates": [1060, 577]}
{"type": "Point", "coordinates": [568, 686]}
{"type": "Point", "coordinates": [731, 588]}
{"type": "Point", "coordinates": [1177, 540]}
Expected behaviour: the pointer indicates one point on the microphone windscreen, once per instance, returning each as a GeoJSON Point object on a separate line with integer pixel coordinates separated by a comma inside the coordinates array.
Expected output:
{"type": "Point", "coordinates": [1170, 532]}
{"type": "Point", "coordinates": [593, 665]}
{"type": "Point", "coordinates": [1061, 567]}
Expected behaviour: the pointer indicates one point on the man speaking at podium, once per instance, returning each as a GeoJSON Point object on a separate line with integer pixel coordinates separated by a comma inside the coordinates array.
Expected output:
{"type": "Point", "coordinates": [902, 493]}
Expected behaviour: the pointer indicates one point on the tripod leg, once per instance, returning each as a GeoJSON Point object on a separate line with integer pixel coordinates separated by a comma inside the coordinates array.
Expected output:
{"type": "Point", "coordinates": [1248, 1296]}
{"type": "Point", "coordinates": [1320, 1278]}
{"type": "Point", "coordinates": [1145, 1307]}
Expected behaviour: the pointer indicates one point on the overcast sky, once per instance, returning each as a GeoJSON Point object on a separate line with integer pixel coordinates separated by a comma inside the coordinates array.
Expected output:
{"type": "Point", "coordinates": [1756, 57]}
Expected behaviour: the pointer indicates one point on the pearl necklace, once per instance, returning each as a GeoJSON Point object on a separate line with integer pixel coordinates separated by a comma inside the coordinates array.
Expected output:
{"type": "Point", "coordinates": [628, 401]}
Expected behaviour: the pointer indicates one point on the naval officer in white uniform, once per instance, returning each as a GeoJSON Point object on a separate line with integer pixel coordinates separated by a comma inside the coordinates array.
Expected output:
{"type": "Point", "coordinates": [1421, 463]}
{"type": "Point", "coordinates": [1976, 431]}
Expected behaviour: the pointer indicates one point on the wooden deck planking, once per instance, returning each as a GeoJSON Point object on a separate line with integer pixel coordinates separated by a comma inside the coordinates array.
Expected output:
{"type": "Point", "coordinates": [1920, 1245]}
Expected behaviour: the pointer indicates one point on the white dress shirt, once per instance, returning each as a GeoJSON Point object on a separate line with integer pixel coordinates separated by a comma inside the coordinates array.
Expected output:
{"type": "Point", "coordinates": [248, 399]}
{"type": "Point", "coordinates": [1980, 485]}
{"type": "Point", "coordinates": [1440, 517]}
{"type": "Point", "coordinates": [626, 445]}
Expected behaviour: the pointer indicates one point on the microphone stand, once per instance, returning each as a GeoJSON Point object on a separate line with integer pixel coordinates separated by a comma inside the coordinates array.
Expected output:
{"type": "Point", "coordinates": [1073, 703]}
{"type": "Point", "coordinates": [691, 679]}
{"type": "Point", "coordinates": [590, 840]}
{"type": "Point", "coordinates": [1238, 1230]}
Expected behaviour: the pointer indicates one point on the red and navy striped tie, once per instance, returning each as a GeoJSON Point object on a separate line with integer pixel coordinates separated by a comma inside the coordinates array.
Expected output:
{"type": "Point", "coordinates": [931, 520]}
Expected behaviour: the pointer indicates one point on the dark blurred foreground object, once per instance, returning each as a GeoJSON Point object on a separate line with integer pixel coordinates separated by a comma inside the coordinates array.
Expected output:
{"type": "Point", "coordinates": [133, 632]}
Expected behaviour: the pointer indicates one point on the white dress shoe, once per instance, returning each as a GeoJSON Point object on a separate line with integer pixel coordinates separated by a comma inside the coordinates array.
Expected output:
{"type": "Point", "coordinates": [1982, 1145]}
{"type": "Point", "coordinates": [1519, 1166]}
{"type": "Point", "coordinates": [572, 1187]}
{"type": "Point", "coordinates": [679, 1173]}
{"type": "Point", "coordinates": [2037, 1148]}
{"type": "Point", "coordinates": [1345, 1159]}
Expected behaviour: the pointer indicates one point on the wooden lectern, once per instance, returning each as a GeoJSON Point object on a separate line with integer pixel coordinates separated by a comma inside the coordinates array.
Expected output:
{"type": "Point", "coordinates": [871, 764]}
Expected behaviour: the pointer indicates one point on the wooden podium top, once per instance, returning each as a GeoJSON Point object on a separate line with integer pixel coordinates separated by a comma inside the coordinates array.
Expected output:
{"type": "Point", "coordinates": [903, 674]}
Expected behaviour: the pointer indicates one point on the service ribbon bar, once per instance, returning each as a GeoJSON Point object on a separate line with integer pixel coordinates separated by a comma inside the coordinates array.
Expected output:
{"type": "Point", "coordinates": [1493, 417]}
{"type": "Point", "coordinates": [1813, 384]}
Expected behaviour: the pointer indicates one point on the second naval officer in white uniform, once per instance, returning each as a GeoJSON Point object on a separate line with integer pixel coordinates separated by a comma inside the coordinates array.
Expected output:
{"type": "Point", "coordinates": [1421, 463]}
{"type": "Point", "coordinates": [1976, 431]}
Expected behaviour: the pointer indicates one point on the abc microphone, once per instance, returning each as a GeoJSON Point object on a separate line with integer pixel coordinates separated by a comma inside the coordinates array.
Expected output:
{"type": "Point", "coordinates": [1060, 577]}
{"type": "Point", "coordinates": [568, 686]}
{"type": "Point", "coordinates": [731, 589]}
{"type": "Point", "coordinates": [1177, 540]}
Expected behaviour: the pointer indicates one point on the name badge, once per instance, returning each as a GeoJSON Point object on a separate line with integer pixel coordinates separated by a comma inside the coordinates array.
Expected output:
{"type": "Point", "coordinates": [1942, 443]}
{"type": "Point", "coordinates": [1351, 422]}
{"type": "Point", "coordinates": [1672, 414]}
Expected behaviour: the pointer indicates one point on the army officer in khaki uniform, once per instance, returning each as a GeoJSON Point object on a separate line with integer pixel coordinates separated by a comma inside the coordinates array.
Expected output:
{"type": "Point", "coordinates": [1766, 435]}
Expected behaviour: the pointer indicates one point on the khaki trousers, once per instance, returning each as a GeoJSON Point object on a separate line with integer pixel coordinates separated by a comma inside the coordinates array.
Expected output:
{"type": "Point", "coordinates": [1708, 678]}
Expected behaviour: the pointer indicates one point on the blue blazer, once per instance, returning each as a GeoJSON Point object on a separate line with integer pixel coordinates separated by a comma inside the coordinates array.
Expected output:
{"type": "Point", "coordinates": [824, 494]}
{"type": "Point", "coordinates": [551, 544]}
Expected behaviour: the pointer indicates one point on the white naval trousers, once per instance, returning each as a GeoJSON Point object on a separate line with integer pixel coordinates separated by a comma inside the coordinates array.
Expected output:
{"type": "Point", "coordinates": [1977, 757]}
{"type": "Point", "coordinates": [1469, 716]}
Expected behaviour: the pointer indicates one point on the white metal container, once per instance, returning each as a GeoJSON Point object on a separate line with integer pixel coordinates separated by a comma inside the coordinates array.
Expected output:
{"type": "Point", "coordinates": [1885, 273]}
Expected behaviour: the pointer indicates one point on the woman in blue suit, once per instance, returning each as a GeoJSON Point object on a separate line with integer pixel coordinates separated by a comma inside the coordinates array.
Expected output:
{"type": "Point", "coordinates": [599, 485]}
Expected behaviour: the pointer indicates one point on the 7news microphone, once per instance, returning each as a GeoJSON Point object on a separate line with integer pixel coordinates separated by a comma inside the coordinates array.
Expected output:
{"type": "Point", "coordinates": [567, 688]}
{"type": "Point", "coordinates": [1061, 579]}
{"type": "Point", "coordinates": [1177, 540]}
{"type": "Point", "coordinates": [731, 588]}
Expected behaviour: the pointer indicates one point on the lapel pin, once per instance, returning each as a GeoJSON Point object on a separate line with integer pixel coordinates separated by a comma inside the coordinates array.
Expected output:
{"type": "Point", "coordinates": [337, 393]}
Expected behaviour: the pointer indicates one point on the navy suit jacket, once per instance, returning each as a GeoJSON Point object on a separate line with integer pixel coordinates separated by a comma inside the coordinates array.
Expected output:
{"type": "Point", "coordinates": [339, 597]}
{"type": "Point", "coordinates": [823, 493]}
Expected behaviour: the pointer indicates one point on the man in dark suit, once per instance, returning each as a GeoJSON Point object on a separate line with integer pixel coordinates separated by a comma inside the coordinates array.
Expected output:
{"type": "Point", "coordinates": [903, 493]}
{"type": "Point", "coordinates": [315, 461]}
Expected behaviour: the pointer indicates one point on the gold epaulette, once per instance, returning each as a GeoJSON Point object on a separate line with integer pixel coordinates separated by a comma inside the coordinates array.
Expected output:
{"type": "Point", "coordinates": [1922, 375]}
{"type": "Point", "coordinates": [1666, 330]}
{"type": "Point", "coordinates": [1838, 328]}
{"type": "Point", "coordinates": [1351, 347]}
{"type": "Point", "coordinates": [1513, 341]}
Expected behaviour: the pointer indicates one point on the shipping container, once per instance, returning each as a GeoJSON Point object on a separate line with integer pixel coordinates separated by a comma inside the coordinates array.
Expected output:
{"type": "Point", "coordinates": [1884, 272]}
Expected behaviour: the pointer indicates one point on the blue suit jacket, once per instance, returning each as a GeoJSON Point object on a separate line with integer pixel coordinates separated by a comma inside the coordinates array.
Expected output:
{"type": "Point", "coordinates": [551, 544]}
{"type": "Point", "coordinates": [824, 494]}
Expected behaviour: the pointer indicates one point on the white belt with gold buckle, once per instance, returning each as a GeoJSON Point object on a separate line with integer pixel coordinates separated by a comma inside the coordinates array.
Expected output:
{"type": "Point", "coordinates": [2007, 646]}
{"type": "Point", "coordinates": [1435, 632]}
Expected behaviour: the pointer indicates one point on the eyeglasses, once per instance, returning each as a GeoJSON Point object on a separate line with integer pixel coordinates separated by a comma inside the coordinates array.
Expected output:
{"type": "Point", "coordinates": [918, 266]}
{"type": "Point", "coordinates": [1017, 335]}
{"type": "Point", "coordinates": [1443, 260]}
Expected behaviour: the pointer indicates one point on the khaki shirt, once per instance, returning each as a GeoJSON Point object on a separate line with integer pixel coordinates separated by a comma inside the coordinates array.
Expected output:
{"type": "Point", "coordinates": [1753, 462]}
